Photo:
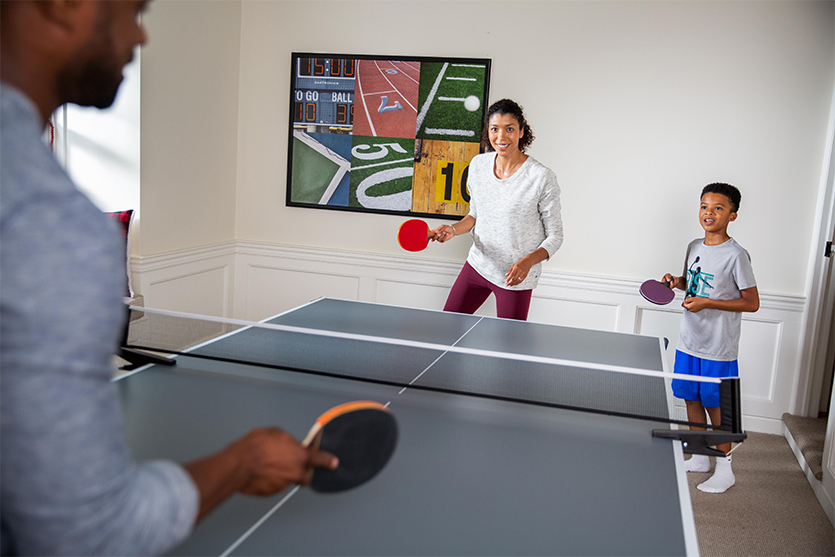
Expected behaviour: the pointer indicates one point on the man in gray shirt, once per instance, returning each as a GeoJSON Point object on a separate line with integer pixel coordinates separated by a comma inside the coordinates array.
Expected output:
{"type": "Point", "coordinates": [67, 483]}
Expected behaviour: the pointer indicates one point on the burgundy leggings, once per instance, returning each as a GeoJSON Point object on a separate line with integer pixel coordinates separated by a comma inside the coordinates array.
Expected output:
{"type": "Point", "coordinates": [471, 290]}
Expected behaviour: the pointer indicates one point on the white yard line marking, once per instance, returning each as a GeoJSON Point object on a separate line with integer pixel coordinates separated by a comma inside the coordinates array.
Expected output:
{"type": "Point", "coordinates": [441, 131]}
{"type": "Point", "coordinates": [428, 102]}
{"type": "Point", "coordinates": [382, 164]}
{"type": "Point", "coordinates": [342, 164]}
{"type": "Point", "coordinates": [364, 104]}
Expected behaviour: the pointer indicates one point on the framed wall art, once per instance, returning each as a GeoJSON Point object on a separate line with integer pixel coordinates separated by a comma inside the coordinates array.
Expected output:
{"type": "Point", "coordinates": [384, 134]}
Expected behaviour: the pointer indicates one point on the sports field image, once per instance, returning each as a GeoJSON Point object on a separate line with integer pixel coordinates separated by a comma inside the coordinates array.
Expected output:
{"type": "Point", "coordinates": [386, 96]}
{"type": "Point", "coordinates": [444, 89]}
{"type": "Point", "coordinates": [381, 173]}
{"type": "Point", "coordinates": [322, 169]}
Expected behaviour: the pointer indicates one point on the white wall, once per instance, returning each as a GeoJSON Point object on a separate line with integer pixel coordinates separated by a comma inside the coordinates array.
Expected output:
{"type": "Point", "coordinates": [190, 84]}
{"type": "Point", "coordinates": [636, 105]}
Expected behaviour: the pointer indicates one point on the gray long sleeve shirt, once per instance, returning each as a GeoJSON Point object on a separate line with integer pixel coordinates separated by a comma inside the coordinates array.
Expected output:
{"type": "Point", "coordinates": [514, 217]}
{"type": "Point", "coordinates": [67, 483]}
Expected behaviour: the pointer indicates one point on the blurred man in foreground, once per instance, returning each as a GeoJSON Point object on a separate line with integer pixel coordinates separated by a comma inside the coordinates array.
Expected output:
{"type": "Point", "coordinates": [67, 484]}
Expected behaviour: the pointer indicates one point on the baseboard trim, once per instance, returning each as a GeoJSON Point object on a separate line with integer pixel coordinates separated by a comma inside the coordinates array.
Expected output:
{"type": "Point", "coordinates": [773, 426]}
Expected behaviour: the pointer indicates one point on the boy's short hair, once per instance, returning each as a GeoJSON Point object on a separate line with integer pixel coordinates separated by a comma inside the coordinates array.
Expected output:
{"type": "Point", "coordinates": [727, 190]}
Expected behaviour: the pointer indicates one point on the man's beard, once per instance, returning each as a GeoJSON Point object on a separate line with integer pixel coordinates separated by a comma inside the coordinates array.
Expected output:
{"type": "Point", "coordinates": [94, 79]}
{"type": "Point", "coordinates": [90, 86]}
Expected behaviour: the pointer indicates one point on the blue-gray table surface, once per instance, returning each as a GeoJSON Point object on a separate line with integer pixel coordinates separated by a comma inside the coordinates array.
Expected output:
{"type": "Point", "coordinates": [470, 476]}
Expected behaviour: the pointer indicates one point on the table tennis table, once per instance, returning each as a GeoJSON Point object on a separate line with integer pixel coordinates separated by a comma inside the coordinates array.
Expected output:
{"type": "Point", "coordinates": [471, 475]}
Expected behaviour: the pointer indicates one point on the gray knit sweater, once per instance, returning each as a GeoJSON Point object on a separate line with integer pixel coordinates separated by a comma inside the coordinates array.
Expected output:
{"type": "Point", "coordinates": [514, 217]}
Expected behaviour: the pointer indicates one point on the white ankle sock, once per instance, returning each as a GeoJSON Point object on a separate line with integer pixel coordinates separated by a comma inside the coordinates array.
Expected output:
{"type": "Point", "coordinates": [722, 478]}
{"type": "Point", "coordinates": [697, 463]}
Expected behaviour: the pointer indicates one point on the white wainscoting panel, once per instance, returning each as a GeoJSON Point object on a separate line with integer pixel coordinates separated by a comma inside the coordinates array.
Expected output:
{"type": "Point", "coordinates": [253, 280]}
{"type": "Point", "coordinates": [410, 293]}
{"type": "Point", "coordinates": [568, 312]}
{"type": "Point", "coordinates": [758, 350]}
{"type": "Point", "coordinates": [193, 292]}
{"type": "Point", "coordinates": [660, 321]}
{"type": "Point", "coordinates": [272, 290]}
{"type": "Point", "coordinates": [769, 360]}
{"type": "Point", "coordinates": [199, 280]}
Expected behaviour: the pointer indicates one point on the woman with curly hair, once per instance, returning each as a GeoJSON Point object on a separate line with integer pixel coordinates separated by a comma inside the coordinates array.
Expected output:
{"type": "Point", "coordinates": [514, 218]}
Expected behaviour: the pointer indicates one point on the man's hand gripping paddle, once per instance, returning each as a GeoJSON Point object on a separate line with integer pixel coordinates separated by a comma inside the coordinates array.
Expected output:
{"type": "Point", "coordinates": [362, 435]}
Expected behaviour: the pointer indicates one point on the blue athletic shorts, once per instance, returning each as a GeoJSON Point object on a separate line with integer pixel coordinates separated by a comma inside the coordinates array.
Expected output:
{"type": "Point", "coordinates": [707, 393]}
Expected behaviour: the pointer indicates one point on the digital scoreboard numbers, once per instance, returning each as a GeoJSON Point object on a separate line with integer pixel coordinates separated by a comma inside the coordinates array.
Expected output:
{"type": "Point", "coordinates": [327, 67]}
{"type": "Point", "coordinates": [324, 92]}
{"type": "Point", "coordinates": [322, 108]}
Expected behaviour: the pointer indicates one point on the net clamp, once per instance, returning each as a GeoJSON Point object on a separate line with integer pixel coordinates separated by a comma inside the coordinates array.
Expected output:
{"type": "Point", "coordinates": [137, 359]}
{"type": "Point", "coordinates": [701, 442]}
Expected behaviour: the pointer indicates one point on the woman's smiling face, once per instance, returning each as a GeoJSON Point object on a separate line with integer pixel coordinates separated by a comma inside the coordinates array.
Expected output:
{"type": "Point", "coordinates": [504, 133]}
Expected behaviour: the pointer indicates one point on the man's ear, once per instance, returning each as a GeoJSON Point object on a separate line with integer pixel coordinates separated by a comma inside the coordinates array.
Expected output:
{"type": "Point", "coordinates": [733, 216]}
{"type": "Point", "coordinates": [62, 13]}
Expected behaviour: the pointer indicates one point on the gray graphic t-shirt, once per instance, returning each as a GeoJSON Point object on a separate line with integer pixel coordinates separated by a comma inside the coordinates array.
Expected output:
{"type": "Point", "coordinates": [718, 273]}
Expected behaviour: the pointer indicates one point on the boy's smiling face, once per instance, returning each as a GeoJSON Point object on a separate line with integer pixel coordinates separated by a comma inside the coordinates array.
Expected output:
{"type": "Point", "coordinates": [715, 213]}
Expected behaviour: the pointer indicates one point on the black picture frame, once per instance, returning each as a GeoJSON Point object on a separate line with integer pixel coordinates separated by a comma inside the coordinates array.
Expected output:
{"type": "Point", "coordinates": [384, 134]}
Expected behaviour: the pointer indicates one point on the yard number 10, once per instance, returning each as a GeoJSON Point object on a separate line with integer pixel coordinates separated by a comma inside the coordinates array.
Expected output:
{"type": "Point", "coordinates": [451, 182]}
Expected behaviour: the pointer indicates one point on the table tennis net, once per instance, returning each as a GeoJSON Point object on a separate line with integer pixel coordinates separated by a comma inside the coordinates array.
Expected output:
{"type": "Point", "coordinates": [644, 394]}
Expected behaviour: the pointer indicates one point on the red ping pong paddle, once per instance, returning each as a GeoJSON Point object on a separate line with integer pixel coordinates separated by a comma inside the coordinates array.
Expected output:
{"type": "Point", "coordinates": [657, 292]}
{"type": "Point", "coordinates": [414, 235]}
{"type": "Point", "coordinates": [361, 434]}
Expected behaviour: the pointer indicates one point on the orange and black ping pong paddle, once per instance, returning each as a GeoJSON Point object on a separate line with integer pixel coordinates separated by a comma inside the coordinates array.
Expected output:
{"type": "Point", "coordinates": [657, 292]}
{"type": "Point", "coordinates": [414, 235]}
{"type": "Point", "coordinates": [361, 434]}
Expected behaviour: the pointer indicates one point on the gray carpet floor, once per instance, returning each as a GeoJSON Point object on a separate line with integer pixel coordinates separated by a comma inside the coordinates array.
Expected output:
{"type": "Point", "coordinates": [771, 510]}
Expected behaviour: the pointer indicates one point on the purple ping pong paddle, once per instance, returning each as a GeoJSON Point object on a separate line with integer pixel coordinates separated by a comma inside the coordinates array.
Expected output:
{"type": "Point", "coordinates": [657, 292]}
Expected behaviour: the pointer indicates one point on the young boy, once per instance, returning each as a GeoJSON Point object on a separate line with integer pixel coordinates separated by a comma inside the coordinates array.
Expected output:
{"type": "Point", "coordinates": [720, 284]}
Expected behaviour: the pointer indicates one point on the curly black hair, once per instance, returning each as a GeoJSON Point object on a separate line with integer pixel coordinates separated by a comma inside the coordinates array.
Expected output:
{"type": "Point", "coordinates": [506, 106]}
{"type": "Point", "coordinates": [727, 190]}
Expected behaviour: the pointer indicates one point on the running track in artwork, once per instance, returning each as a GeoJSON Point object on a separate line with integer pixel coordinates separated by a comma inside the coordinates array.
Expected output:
{"type": "Point", "coordinates": [394, 116]}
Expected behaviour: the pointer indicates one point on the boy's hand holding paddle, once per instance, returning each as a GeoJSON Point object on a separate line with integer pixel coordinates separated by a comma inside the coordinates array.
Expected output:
{"type": "Point", "coordinates": [674, 281]}
{"type": "Point", "coordinates": [658, 292]}
{"type": "Point", "coordinates": [661, 293]}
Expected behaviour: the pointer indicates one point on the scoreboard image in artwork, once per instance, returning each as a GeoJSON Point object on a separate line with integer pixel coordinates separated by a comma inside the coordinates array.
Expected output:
{"type": "Point", "coordinates": [323, 95]}
{"type": "Point", "coordinates": [386, 134]}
